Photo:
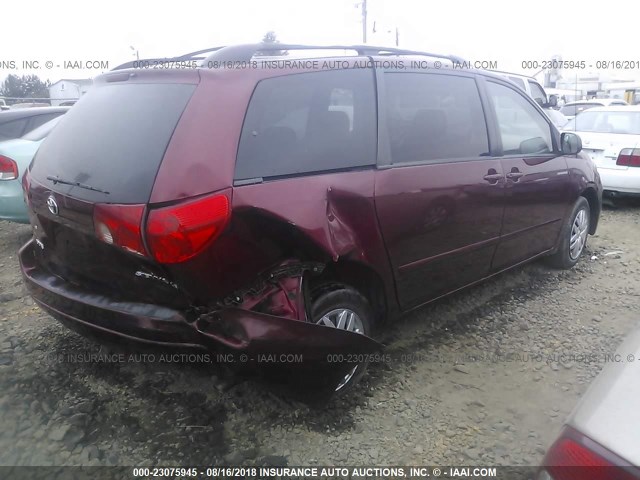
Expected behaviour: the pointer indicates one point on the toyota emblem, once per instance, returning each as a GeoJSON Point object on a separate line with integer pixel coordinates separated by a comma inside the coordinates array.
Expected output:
{"type": "Point", "coordinates": [51, 203]}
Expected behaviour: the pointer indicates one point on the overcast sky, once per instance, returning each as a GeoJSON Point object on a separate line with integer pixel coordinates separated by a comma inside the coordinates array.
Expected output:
{"type": "Point", "coordinates": [509, 31]}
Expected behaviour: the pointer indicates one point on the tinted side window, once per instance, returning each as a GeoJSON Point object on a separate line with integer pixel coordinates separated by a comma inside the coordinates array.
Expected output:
{"type": "Point", "coordinates": [523, 129]}
{"type": "Point", "coordinates": [433, 117]}
{"type": "Point", "coordinates": [309, 122]}
{"type": "Point", "coordinates": [537, 93]}
{"type": "Point", "coordinates": [12, 129]}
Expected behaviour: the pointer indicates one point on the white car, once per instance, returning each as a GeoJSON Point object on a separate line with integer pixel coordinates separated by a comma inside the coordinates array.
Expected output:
{"type": "Point", "coordinates": [558, 119]}
{"type": "Point", "coordinates": [611, 137]}
{"type": "Point", "coordinates": [571, 109]}
{"type": "Point", "coordinates": [532, 88]}
{"type": "Point", "coordinates": [601, 438]}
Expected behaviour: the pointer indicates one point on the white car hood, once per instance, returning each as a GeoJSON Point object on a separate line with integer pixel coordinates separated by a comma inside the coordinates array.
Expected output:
{"type": "Point", "coordinates": [609, 413]}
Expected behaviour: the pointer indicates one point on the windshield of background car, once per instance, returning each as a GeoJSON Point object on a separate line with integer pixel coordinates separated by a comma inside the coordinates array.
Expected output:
{"type": "Point", "coordinates": [606, 122]}
{"type": "Point", "coordinates": [537, 93]}
{"type": "Point", "coordinates": [575, 108]}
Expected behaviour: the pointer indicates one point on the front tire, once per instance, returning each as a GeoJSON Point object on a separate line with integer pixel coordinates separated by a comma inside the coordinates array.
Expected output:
{"type": "Point", "coordinates": [345, 308]}
{"type": "Point", "coordinates": [573, 237]}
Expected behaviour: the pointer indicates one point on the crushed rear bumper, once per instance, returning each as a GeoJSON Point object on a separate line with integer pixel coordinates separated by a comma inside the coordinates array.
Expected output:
{"type": "Point", "coordinates": [231, 329]}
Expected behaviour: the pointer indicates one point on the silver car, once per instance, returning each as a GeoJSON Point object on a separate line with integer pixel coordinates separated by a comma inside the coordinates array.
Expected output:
{"type": "Point", "coordinates": [601, 438]}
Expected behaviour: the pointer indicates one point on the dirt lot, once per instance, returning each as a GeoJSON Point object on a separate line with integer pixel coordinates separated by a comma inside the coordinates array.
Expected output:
{"type": "Point", "coordinates": [484, 377]}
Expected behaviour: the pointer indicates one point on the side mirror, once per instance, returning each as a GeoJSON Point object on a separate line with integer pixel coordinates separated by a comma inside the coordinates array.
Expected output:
{"type": "Point", "coordinates": [570, 143]}
{"type": "Point", "coordinates": [553, 101]}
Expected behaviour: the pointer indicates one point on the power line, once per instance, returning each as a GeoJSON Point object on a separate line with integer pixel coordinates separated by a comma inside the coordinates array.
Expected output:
{"type": "Point", "coordinates": [364, 21]}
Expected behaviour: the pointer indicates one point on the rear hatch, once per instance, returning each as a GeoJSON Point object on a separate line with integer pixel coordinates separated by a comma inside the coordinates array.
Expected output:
{"type": "Point", "coordinates": [102, 160]}
{"type": "Point", "coordinates": [604, 148]}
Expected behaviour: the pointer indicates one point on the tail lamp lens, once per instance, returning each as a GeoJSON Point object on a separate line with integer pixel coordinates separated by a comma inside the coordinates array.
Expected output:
{"type": "Point", "coordinates": [179, 232]}
{"type": "Point", "coordinates": [120, 225]}
{"type": "Point", "coordinates": [629, 157]}
{"type": "Point", "coordinates": [570, 458]}
{"type": "Point", "coordinates": [8, 168]}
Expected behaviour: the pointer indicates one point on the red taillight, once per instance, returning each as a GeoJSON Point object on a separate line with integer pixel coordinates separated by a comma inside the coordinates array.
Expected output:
{"type": "Point", "coordinates": [8, 168]}
{"type": "Point", "coordinates": [629, 157]}
{"type": "Point", "coordinates": [178, 232]}
{"type": "Point", "coordinates": [574, 457]}
{"type": "Point", "coordinates": [120, 225]}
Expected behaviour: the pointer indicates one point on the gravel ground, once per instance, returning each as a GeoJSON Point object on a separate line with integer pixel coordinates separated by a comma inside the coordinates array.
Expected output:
{"type": "Point", "coordinates": [484, 377]}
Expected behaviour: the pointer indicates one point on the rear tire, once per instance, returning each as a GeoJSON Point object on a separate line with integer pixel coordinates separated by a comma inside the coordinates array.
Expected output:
{"type": "Point", "coordinates": [573, 237]}
{"type": "Point", "coordinates": [344, 307]}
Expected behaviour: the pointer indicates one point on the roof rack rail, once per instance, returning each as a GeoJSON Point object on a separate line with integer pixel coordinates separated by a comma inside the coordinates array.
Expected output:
{"type": "Point", "coordinates": [512, 73]}
{"type": "Point", "coordinates": [245, 52]}
{"type": "Point", "coordinates": [197, 55]}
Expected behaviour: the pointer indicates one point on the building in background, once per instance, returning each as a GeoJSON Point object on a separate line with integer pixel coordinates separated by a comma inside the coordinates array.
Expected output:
{"type": "Point", "coordinates": [599, 85]}
{"type": "Point", "coordinates": [67, 91]}
{"type": "Point", "coordinates": [628, 91]}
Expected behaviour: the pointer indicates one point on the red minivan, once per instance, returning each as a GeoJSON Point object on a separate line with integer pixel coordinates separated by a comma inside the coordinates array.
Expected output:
{"type": "Point", "coordinates": [262, 204]}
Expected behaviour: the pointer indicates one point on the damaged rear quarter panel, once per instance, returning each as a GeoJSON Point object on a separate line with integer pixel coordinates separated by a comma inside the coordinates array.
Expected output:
{"type": "Point", "coordinates": [325, 218]}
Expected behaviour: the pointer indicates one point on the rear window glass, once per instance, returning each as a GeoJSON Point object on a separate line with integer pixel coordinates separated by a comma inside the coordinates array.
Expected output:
{"type": "Point", "coordinates": [114, 140]}
{"type": "Point", "coordinates": [606, 122]}
{"type": "Point", "coordinates": [309, 122]}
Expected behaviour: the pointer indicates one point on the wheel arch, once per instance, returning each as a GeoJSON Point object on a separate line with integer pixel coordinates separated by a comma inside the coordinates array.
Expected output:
{"type": "Point", "coordinates": [595, 206]}
{"type": "Point", "coordinates": [358, 275]}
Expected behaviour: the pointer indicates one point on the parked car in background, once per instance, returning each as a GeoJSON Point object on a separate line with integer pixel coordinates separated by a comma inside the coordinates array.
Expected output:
{"type": "Point", "coordinates": [18, 106]}
{"type": "Point", "coordinates": [558, 119]}
{"type": "Point", "coordinates": [548, 102]}
{"type": "Point", "coordinates": [289, 210]}
{"type": "Point", "coordinates": [571, 109]}
{"type": "Point", "coordinates": [15, 156]}
{"type": "Point", "coordinates": [16, 123]}
{"type": "Point", "coordinates": [600, 438]}
{"type": "Point", "coordinates": [532, 88]}
{"type": "Point", "coordinates": [611, 137]}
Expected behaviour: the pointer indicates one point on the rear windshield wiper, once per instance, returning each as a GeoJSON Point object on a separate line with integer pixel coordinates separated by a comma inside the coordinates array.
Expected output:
{"type": "Point", "coordinates": [75, 184]}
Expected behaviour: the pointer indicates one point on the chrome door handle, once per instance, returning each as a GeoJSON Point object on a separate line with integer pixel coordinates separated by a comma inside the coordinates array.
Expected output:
{"type": "Point", "coordinates": [493, 177]}
{"type": "Point", "coordinates": [515, 176]}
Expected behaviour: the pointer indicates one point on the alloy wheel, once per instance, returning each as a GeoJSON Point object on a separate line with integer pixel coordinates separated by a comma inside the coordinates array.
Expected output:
{"type": "Point", "coordinates": [344, 319]}
{"type": "Point", "coordinates": [579, 231]}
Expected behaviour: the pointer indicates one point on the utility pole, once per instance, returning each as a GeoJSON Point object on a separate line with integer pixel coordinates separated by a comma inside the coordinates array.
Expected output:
{"type": "Point", "coordinates": [364, 21]}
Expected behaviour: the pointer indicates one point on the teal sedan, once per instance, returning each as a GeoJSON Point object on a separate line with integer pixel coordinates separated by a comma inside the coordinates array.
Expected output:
{"type": "Point", "coordinates": [15, 156]}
